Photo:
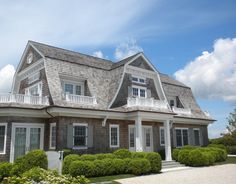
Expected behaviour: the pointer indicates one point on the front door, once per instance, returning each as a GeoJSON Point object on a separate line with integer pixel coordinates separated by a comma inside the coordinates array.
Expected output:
{"type": "Point", "coordinates": [26, 137]}
{"type": "Point", "coordinates": [147, 138]}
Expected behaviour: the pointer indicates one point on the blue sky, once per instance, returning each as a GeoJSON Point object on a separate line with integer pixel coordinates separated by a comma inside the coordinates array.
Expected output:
{"type": "Point", "coordinates": [172, 34]}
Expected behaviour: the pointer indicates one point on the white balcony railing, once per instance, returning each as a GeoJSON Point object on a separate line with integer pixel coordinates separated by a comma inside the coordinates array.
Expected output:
{"type": "Point", "coordinates": [177, 110]}
{"type": "Point", "coordinates": [147, 102]}
{"type": "Point", "coordinates": [23, 99]}
{"type": "Point", "coordinates": [79, 99]}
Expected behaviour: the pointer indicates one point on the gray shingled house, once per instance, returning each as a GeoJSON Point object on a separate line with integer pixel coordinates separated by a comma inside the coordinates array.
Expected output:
{"type": "Point", "coordinates": [63, 99]}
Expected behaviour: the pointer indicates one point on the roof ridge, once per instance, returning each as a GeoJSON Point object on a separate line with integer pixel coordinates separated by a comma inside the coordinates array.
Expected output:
{"type": "Point", "coordinates": [87, 55]}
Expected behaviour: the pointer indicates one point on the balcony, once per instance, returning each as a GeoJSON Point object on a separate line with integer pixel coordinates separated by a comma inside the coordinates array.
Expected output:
{"type": "Point", "coordinates": [23, 99]}
{"type": "Point", "coordinates": [79, 99]}
{"type": "Point", "coordinates": [185, 111]}
{"type": "Point", "coordinates": [147, 102]}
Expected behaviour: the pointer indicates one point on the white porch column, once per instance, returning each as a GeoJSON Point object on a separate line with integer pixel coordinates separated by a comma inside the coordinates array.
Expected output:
{"type": "Point", "coordinates": [138, 134]}
{"type": "Point", "coordinates": [167, 140]}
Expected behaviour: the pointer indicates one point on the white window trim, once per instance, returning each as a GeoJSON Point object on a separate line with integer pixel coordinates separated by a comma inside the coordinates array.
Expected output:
{"type": "Point", "coordinates": [162, 128]}
{"type": "Point", "coordinates": [138, 82]}
{"type": "Point", "coordinates": [198, 134]}
{"type": "Point", "coordinates": [86, 134]}
{"type": "Point", "coordinates": [182, 137]}
{"type": "Point", "coordinates": [35, 77]}
{"type": "Point", "coordinates": [132, 148]}
{"type": "Point", "coordinates": [5, 139]}
{"type": "Point", "coordinates": [64, 82]}
{"type": "Point", "coordinates": [40, 90]}
{"type": "Point", "coordinates": [139, 87]}
{"type": "Point", "coordinates": [50, 138]}
{"type": "Point", "coordinates": [118, 135]}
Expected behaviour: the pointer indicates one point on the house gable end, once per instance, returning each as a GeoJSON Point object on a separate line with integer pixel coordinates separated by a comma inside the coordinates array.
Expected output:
{"type": "Point", "coordinates": [141, 62]}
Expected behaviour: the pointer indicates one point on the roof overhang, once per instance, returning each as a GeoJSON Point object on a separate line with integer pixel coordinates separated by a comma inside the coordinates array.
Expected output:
{"type": "Point", "coordinates": [187, 120]}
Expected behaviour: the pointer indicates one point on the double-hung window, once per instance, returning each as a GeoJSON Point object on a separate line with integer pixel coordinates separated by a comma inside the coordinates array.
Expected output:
{"type": "Point", "coordinates": [3, 137]}
{"type": "Point", "coordinates": [80, 135]}
{"type": "Point", "coordinates": [138, 91]}
{"type": "Point", "coordinates": [52, 136]}
{"type": "Point", "coordinates": [162, 136]}
{"type": "Point", "coordinates": [196, 133]}
{"type": "Point", "coordinates": [73, 88]}
{"type": "Point", "coordinates": [114, 136]}
{"type": "Point", "coordinates": [181, 137]}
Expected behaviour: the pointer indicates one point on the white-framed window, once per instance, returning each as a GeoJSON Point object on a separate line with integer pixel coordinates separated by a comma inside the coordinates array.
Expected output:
{"type": "Point", "coordinates": [53, 131]}
{"type": "Point", "coordinates": [138, 91]}
{"type": "Point", "coordinates": [140, 80]}
{"type": "Point", "coordinates": [131, 136]}
{"type": "Point", "coordinates": [33, 77]}
{"type": "Point", "coordinates": [75, 88]}
{"type": "Point", "coordinates": [181, 137]}
{"type": "Point", "coordinates": [196, 133]}
{"type": "Point", "coordinates": [114, 136]}
{"type": "Point", "coordinates": [162, 136]}
{"type": "Point", "coordinates": [3, 137]}
{"type": "Point", "coordinates": [34, 90]}
{"type": "Point", "coordinates": [80, 135]}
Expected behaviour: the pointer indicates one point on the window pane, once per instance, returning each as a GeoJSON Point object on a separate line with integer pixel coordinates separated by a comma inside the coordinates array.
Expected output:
{"type": "Point", "coordinates": [196, 138]}
{"type": "Point", "coordinates": [178, 138]}
{"type": "Point", "coordinates": [114, 136]}
{"type": "Point", "coordinates": [80, 135]}
{"type": "Point", "coordinates": [2, 138]}
{"type": "Point", "coordinates": [148, 137]}
{"type": "Point", "coordinates": [34, 91]}
{"type": "Point", "coordinates": [162, 137]}
{"type": "Point", "coordinates": [141, 80]}
{"type": "Point", "coordinates": [135, 91]}
{"type": "Point", "coordinates": [53, 136]}
{"type": "Point", "coordinates": [135, 79]}
{"type": "Point", "coordinates": [142, 93]}
{"type": "Point", "coordinates": [185, 137]}
{"type": "Point", "coordinates": [131, 137]}
{"type": "Point", "coordinates": [78, 90]}
{"type": "Point", "coordinates": [69, 88]}
{"type": "Point", "coordinates": [172, 103]}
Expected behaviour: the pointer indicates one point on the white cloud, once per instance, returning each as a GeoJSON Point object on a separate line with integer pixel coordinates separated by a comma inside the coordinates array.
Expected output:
{"type": "Point", "coordinates": [6, 76]}
{"type": "Point", "coordinates": [213, 74]}
{"type": "Point", "coordinates": [127, 49]}
{"type": "Point", "coordinates": [71, 24]}
{"type": "Point", "coordinates": [98, 54]}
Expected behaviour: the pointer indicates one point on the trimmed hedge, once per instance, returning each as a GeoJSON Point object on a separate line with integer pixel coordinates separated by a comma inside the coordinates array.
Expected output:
{"type": "Point", "coordinates": [139, 166]}
{"type": "Point", "coordinates": [67, 161]}
{"type": "Point", "coordinates": [221, 146]}
{"type": "Point", "coordinates": [85, 168]}
{"type": "Point", "coordinates": [155, 161]}
{"type": "Point", "coordinates": [138, 155]}
{"type": "Point", "coordinates": [35, 158]}
{"type": "Point", "coordinates": [183, 156]}
{"type": "Point", "coordinates": [122, 153]}
{"type": "Point", "coordinates": [5, 170]}
{"type": "Point", "coordinates": [88, 157]}
{"type": "Point", "coordinates": [175, 154]}
{"type": "Point", "coordinates": [104, 156]}
{"type": "Point", "coordinates": [198, 158]}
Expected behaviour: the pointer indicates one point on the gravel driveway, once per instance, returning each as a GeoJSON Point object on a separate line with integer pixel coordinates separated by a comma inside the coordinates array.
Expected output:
{"type": "Point", "coordinates": [221, 174]}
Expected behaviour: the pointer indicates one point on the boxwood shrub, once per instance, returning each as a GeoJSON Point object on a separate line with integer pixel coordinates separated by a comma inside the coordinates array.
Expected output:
{"type": "Point", "coordinates": [183, 156]}
{"type": "Point", "coordinates": [85, 168]}
{"type": "Point", "coordinates": [139, 166]}
{"type": "Point", "coordinates": [221, 146]}
{"type": "Point", "coordinates": [104, 155]}
{"type": "Point", "coordinates": [88, 157]}
{"type": "Point", "coordinates": [122, 153]}
{"type": "Point", "coordinates": [155, 161]}
{"type": "Point", "coordinates": [35, 158]}
{"type": "Point", "coordinates": [138, 155]}
{"type": "Point", "coordinates": [197, 158]}
{"type": "Point", "coordinates": [67, 161]}
{"type": "Point", "coordinates": [5, 170]}
{"type": "Point", "coordinates": [175, 154]}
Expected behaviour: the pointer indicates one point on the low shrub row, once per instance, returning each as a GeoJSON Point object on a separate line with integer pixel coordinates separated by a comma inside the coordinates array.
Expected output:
{"type": "Point", "coordinates": [197, 156]}
{"type": "Point", "coordinates": [120, 162]}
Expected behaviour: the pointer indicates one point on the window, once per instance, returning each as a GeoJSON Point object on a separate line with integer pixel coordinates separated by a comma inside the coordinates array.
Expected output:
{"type": "Point", "coordinates": [172, 103]}
{"type": "Point", "coordinates": [181, 137]}
{"type": "Point", "coordinates": [114, 136]}
{"type": "Point", "coordinates": [35, 90]}
{"type": "Point", "coordinates": [162, 136]}
{"type": "Point", "coordinates": [3, 137]}
{"type": "Point", "coordinates": [196, 133]}
{"type": "Point", "coordinates": [33, 78]}
{"type": "Point", "coordinates": [80, 135]}
{"type": "Point", "coordinates": [138, 91]}
{"type": "Point", "coordinates": [138, 80]}
{"type": "Point", "coordinates": [148, 137]}
{"type": "Point", "coordinates": [52, 135]}
{"type": "Point", "coordinates": [73, 88]}
{"type": "Point", "coordinates": [131, 136]}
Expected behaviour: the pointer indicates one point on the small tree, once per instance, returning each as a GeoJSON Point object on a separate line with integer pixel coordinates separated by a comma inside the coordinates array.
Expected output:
{"type": "Point", "coordinates": [232, 122]}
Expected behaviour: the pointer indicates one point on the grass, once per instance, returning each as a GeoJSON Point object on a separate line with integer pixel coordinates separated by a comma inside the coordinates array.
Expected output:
{"type": "Point", "coordinates": [109, 178]}
{"type": "Point", "coordinates": [229, 160]}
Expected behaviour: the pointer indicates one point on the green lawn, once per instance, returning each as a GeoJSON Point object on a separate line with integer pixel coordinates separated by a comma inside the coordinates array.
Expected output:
{"type": "Point", "coordinates": [229, 160]}
{"type": "Point", "coordinates": [110, 179]}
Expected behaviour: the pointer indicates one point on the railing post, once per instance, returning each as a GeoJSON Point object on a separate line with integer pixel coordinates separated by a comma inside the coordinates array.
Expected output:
{"type": "Point", "coordinates": [67, 96]}
{"type": "Point", "coordinates": [94, 100]}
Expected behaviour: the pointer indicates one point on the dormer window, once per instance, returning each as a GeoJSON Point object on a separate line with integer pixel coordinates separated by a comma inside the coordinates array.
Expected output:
{"type": "Point", "coordinates": [172, 103]}
{"type": "Point", "coordinates": [34, 90]}
{"type": "Point", "coordinates": [73, 88]}
{"type": "Point", "coordinates": [138, 91]}
{"type": "Point", "coordinates": [138, 80]}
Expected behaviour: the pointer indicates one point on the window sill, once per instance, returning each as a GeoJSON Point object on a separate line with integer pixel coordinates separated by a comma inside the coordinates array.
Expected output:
{"type": "Point", "coordinates": [114, 146]}
{"type": "Point", "coordinates": [79, 147]}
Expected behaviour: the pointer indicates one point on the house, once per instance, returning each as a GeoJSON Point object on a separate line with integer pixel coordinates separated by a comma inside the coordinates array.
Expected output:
{"type": "Point", "coordinates": [64, 99]}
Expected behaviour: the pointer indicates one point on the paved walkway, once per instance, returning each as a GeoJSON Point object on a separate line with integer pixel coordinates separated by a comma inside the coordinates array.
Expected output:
{"type": "Point", "coordinates": [221, 174]}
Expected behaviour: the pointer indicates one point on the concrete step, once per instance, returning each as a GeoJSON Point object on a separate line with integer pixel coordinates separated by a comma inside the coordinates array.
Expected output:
{"type": "Point", "coordinates": [171, 164]}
